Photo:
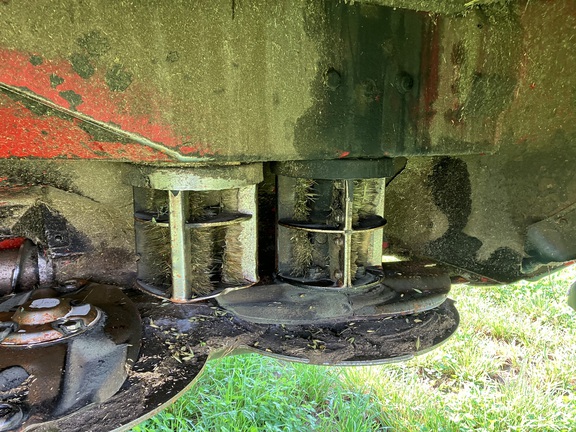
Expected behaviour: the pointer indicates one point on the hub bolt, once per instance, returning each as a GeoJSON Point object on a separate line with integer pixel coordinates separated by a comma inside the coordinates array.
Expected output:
{"type": "Point", "coordinates": [70, 326]}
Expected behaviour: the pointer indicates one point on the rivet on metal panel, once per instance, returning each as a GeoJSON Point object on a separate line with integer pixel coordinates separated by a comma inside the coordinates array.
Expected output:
{"type": "Point", "coordinates": [404, 82]}
{"type": "Point", "coordinates": [332, 79]}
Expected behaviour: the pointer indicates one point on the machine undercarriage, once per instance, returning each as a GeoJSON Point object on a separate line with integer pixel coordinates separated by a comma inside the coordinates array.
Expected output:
{"type": "Point", "coordinates": [182, 181]}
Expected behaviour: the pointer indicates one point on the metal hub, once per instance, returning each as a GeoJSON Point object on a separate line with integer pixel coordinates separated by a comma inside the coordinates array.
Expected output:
{"type": "Point", "coordinates": [22, 265]}
{"type": "Point", "coordinates": [195, 230]}
{"type": "Point", "coordinates": [330, 222]}
{"type": "Point", "coordinates": [46, 319]}
{"type": "Point", "coordinates": [61, 352]}
{"type": "Point", "coordinates": [329, 245]}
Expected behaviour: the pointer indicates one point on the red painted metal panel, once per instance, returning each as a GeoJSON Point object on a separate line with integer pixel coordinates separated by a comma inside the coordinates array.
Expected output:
{"type": "Point", "coordinates": [12, 243]}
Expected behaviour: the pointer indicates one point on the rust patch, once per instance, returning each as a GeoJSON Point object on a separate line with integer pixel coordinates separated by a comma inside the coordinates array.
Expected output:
{"type": "Point", "coordinates": [55, 81]}
{"type": "Point", "coordinates": [36, 60]}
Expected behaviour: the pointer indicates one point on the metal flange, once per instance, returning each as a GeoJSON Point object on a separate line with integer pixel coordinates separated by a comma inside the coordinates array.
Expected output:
{"type": "Point", "coordinates": [194, 178]}
{"type": "Point", "coordinates": [337, 169]}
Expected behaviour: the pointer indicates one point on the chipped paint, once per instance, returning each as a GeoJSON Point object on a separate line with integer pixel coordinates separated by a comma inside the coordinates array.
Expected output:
{"type": "Point", "coordinates": [108, 98]}
{"type": "Point", "coordinates": [27, 135]}
{"type": "Point", "coordinates": [12, 243]}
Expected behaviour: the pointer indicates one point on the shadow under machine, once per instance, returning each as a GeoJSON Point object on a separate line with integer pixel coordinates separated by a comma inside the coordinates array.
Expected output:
{"type": "Point", "coordinates": [186, 180]}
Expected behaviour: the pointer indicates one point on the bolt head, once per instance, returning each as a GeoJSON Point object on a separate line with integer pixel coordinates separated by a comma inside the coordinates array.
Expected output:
{"type": "Point", "coordinates": [71, 326]}
{"type": "Point", "coordinates": [404, 82]}
{"type": "Point", "coordinates": [332, 79]}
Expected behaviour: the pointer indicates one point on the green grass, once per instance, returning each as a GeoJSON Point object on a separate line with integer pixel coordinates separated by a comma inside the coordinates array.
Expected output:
{"type": "Point", "coordinates": [510, 367]}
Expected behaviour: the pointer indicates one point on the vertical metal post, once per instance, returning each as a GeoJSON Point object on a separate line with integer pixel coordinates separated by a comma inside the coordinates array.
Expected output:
{"type": "Point", "coordinates": [377, 236]}
{"type": "Point", "coordinates": [247, 199]}
{"type": "Point", "coordinates": [180, 245]}
{"type": "Point", "coordinates": [348, 212]}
